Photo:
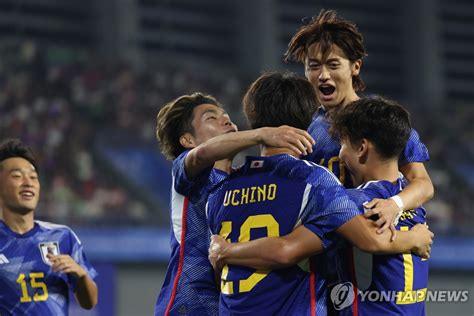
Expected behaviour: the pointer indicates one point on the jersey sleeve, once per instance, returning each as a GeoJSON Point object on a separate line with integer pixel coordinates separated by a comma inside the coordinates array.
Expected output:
{"type": "Point", "coordinates": [415, 150]}
{"type": "Point", "coordinates": [78, 255]}
{"type": "Point", "coordinates": [328, 207]}
{"type": "Point", "coordinates": [181, 183]}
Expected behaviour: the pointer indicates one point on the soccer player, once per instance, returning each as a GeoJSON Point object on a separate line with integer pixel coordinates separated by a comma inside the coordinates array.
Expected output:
{"type": "Point", "coordinates": [198, 135]}
{"type": "Point", "coordinates": [271, 195]}
{"type": "Point", "coordinates": [39, 261]}
{"type": "Point", "coordinates": [373, 133]}
{"type": "Point", "coordinates": [331, 49]}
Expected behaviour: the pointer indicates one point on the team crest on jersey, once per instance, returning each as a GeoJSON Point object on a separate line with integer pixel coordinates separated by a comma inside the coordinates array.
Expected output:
{"type": "Point", "coordinates": [256, 164]}
{"type": "Point", "coordinates": [49, 247]}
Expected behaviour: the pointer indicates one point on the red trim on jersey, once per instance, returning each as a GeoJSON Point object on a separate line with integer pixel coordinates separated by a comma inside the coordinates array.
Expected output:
{"type": "Point", "coordinates": [350, 256]}
{"type": "Point", "coordinates": [312, 287]}
{"type": "Point", "coordinates": [181, 256]}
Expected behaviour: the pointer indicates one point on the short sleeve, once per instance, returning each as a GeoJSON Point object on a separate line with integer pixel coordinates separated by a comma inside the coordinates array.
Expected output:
{"type": "Point", "coordinates": [415, 150]}
{"type": "Point", "coordinates": [182, 184]}
{"type": "Point", "coordinates": [329, 206]}
{"type": "Point", "coordinates": [78, 255]}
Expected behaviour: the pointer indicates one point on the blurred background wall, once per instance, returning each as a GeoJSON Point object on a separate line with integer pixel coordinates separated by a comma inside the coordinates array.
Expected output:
{"type": "Point", "coordinates": [82, 81]}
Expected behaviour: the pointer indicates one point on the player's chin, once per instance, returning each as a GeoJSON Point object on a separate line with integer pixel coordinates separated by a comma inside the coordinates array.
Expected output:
{"type": "Point", "coordinates": [25, 207]}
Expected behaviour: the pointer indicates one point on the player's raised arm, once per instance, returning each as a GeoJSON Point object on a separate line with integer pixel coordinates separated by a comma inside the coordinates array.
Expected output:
{"type": "Point", "coordinates": [229, 145]}
{"type": "Point", "coordinates": [265, 253]}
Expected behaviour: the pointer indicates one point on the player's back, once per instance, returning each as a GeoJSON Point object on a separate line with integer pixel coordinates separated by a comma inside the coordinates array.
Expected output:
{"type": "Point", "coordinates": [401, 278]}
{"type": "Point", "coordinates": [269, 196]}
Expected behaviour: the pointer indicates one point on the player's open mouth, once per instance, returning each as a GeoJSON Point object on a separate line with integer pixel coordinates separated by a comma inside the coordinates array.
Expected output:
{"type": "Point", "coordinates": [327, 89]}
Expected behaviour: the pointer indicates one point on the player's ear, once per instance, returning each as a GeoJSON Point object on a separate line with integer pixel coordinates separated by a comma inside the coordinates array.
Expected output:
{"type": "Point", "coordinates": [363, 150]}
{"type": "Point", "coordinates": [187, 141]}
{"type": "Point", "coordinates": [355, 67]}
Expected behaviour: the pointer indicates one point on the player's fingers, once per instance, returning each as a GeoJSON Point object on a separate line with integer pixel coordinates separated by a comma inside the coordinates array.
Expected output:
{"type": "Point", "coordinates": [393, 231]}
{"type": "Point", "coordinates": [306, 135]}
{"type": "Point", "coordinates": [301, 146]}
{"type": "Point", "coordinates": [382, 223]}
{"type": "Point", "coordinates": [306, 143]}
{"type": "Point", "coordinates": [60, 267]}
{"type": "Point", "coordinates": [295, 149]}
{"type": "Point", "coordinates": [371, 213]}
{"type": "Point", "coordinates": [370, 204]}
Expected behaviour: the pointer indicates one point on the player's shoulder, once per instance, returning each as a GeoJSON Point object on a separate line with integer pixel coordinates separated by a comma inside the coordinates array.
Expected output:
{"type": "Point", "coordinates": [379, 188]}
{"type": "Point", "coordinates": [308, 171]}
{"type": "Point", "coordinates": [178, 162]}
{"type": "Point", "coordinates": [49, 227]}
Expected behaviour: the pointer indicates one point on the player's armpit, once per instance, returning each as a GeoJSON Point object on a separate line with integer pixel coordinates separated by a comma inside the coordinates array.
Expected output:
{"type": "Point", "coordinates": [362, 234]}
{"type": "Point", "coordinates": [270, 252]}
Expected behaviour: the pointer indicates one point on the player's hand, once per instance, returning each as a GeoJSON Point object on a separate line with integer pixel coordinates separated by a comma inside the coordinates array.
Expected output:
{"type": "Point", "coordinates": [424, 240]}
{"type": "Point", "coordinates": [216, 248]}
{"type": "Point", "coordinates": [386, 211]}
{"type": "Point", "coordinates": [289, 137]}
{"type": "Point", "coordinates": [65, 264]}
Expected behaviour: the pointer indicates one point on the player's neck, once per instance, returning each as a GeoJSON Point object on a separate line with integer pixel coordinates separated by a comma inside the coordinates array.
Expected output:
{"type": "Point", "coordinates": [272, 151]}
{"type": "Point", "coordinates": [224, 165]}
{"type": "Point", "coordinates": [351, 97]}
{"type": "Point", "coordinates": [19, 223]}
{"type": "Point", "coordinates": [381, 170]}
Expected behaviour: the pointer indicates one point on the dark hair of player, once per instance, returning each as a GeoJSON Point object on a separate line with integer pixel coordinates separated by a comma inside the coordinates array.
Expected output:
{"type": "Point", "coordinates": [384, 123]}
{"type": "Point", "coordinates": [329, 29]}
{"type": "Point", "coordinates": [14, 148]}
{"type": "Point", "coordinates": [276, 99]}
{"type": "Point", "coordinates": [175, 119]}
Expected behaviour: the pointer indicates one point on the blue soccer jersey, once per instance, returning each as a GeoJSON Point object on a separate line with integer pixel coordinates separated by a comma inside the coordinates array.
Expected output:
{"type": "Point", "coordinates": [270, 196]}
{"type": "Point", "coordinates": [28, 286]}
{"type": "Point", "coordinates": [189, 287]}
{"type": "Point", "coordinates": [326, 150]}
{"type": "Point", "coordinates": [383, 284]}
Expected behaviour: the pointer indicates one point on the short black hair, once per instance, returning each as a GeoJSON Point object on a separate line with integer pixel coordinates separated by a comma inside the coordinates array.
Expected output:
{"type": "Point", "coordinates": [383, 122]}
{"type": "Point", "coordinates": [276, 99]}
{"type": "Point", "coordinates": [329, 29]}
{"type": "Point", "coordinates": [12, 148]}
{"type": "Point", "coordinates": [174, 119]}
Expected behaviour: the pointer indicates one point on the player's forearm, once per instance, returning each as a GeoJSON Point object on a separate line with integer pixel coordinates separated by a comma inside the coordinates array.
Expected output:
{"type": "Point", "coordinates": [86, 292]}
{"type": "Point", "coordinates": [404, 242]}
{"type": "Point", "coordinates": [419, 191]}
{"type": "Point", "coordinates": [420, 188]}
{"type": "Point", "coordinates": [362, 233]}
{"type": "Point", "coordinates": [218, 148]}
{"type": "Point", "coordinates": [264, 253]}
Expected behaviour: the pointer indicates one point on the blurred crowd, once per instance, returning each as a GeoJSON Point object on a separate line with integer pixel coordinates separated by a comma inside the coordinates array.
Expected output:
{"type": "Point", "coordinates": [61, 102]}
{"type": "Point", "coordinates": [449, 135]}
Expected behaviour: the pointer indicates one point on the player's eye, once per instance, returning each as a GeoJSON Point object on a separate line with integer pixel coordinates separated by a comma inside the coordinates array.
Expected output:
{"type": "Point", "coordinates": [211, 118]}
{"type": "Point", "coordinates": [314, 65]}
{"type": "Point", "coordinates": [333, 65]}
